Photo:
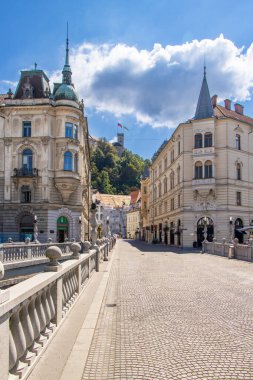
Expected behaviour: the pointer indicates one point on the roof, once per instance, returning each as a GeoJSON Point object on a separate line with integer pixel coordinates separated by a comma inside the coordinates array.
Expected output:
{"type": "Point", "coordinates": [35, 81]}
{"type": "Point", "coordinates": [114, 200]}
{"type": "Point", "coordinates": [204, 107]}
{"type": "Point", "coordinates": [220, 111]}
{"type": "Point", "coordinates": [65, 91]}
{"type": "Point", "coordinates": [135, 196]}
{"type": "Point", "coordinates": [2, 97]}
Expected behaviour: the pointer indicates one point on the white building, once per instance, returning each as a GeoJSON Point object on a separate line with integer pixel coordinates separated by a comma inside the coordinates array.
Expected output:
{"type": "Point", "coordinates": [201, 179]}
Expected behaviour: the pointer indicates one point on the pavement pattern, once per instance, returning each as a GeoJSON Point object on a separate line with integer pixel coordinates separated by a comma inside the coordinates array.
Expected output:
{"type": "Point", "coordinates": [173, 316]}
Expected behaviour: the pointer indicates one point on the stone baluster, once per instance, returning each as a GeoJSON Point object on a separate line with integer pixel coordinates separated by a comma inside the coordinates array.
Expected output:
{"type": "Point", "coordinates": [42, 320]}
{"type": "Point", "coordinates": [36, 347]}
{"type": "Point", "coordinates": [51, 305]}
{"type": "Point", "coordinates": [1, 253]}
{"type": "Point", "coordinates": [13, 356]}
{"type": "Point", "coordinates": [19, 341]}
{"type": "Point", "coordinates": [28, 332]}
{"type": "Point", "coordinates": [46, 309]}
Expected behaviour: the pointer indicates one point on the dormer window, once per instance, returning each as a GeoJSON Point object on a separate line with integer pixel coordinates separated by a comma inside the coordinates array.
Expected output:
{"type": "Point", "coordinates": [27, 93]}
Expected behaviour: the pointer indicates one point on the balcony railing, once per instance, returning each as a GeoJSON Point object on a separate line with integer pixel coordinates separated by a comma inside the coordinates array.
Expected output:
{"type": "Point", "coordinates": [23, 172]}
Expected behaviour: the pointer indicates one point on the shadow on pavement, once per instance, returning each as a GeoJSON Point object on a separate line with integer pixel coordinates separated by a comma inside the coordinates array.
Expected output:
{"type": "Point", "coordinates": [147, 247]}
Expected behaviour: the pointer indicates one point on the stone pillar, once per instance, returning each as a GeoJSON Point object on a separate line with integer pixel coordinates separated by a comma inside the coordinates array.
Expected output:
{"type": "Point", "coordinates": [236, 241]}
{"type": "Point", "coordinates": [231, 251]}
{"type": "Point", "coordinates": [57, 299]}
{"type": "Point", "coordinates": [4, 347]}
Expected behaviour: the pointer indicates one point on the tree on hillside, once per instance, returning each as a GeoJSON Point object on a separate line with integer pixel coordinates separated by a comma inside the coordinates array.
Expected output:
{"type": "Point", "coordinates": [112, 174]}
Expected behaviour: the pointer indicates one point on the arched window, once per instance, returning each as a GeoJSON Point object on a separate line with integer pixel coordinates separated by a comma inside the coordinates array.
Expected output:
{"type": "Point", "coordinates": [198, 140]}
{"type": "Point", "coordinates": [238, 171]}
{"type": "Point", "coordinates": [208, 139]}
{"type": "Point", "coordinates": [160, 189]}
{"type": "Point", "coordinates": [165, 185]}
{"type": "Point", "coordinates": [172, 180]}
{"type": "Point", "coordinates": [178, 174]}
{"type": "Point", "coordinates": [76, 163]}
{"type": "Point", "coordinates": [208, 169]}
{"type": "Point", "coordinates": [238, 142]}
{"type": "Point", "coordinates": [198, 170]}
{"type": "Point", "coordinates": [68, 161]}
{"type": "Point", "coordinates": [27, 160]}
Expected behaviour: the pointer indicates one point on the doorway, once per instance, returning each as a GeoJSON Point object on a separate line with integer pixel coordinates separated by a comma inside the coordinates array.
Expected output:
{"type": "Point", "coordinates": [26, 227]}
{"type": "Point", "coordinates": [201, 229]}
{"type": "Point", "coordinates": [62, 229]}
{"type": "Point", "coordinates": [237, 234]}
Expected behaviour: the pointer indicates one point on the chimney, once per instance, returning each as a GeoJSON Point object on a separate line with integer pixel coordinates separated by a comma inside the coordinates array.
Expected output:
{"type": "Point", "coordinates": [214, 100]}
{"type": "Point", "coordinates": [227, 104]}
{"type": "Point", "coordinates": [239, 108]}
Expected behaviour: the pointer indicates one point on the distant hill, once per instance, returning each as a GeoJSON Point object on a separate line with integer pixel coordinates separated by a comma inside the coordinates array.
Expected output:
{"type": "Point", "coordinates": [111, 174]}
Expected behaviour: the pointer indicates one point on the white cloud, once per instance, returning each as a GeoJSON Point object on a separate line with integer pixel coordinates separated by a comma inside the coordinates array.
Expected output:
{"type": "Point", "coordinates": [160, 87]}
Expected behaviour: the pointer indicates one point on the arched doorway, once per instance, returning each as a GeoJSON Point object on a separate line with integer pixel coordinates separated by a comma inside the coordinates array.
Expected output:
{"type": "Point", "coordinates": [26, 227]}
{"type": "Point", "coordinates": [62, 229]}
{"type": "Point", "coordinates": [239, 235]}
{"type": "Point", "coordinates": [201, 229]}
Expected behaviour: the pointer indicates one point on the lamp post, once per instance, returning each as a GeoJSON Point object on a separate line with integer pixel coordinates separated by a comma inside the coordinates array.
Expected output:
{"type": "Point", "coordinates": [35, 229]}
{"type": "Point", "coordinates": [231, 229]}
{"type": "Point", "coordinates": [80, 227]}
{"type": "Point", "coordinates": [205, 229]}
{"type": "Point", "coordinates": [108, 233]}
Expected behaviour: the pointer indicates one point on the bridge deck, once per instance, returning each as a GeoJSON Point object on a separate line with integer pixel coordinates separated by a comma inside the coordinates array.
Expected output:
{"type": "Point", "coordinates": [164, 316]}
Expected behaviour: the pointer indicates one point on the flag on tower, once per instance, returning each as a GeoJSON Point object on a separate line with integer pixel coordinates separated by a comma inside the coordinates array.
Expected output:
{"type": "Point", "coordinates": [122, 126]}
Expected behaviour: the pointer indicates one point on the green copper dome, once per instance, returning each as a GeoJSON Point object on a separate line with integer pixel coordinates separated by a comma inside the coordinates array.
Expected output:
{"type": "Point", "coordinates": [66, 92]}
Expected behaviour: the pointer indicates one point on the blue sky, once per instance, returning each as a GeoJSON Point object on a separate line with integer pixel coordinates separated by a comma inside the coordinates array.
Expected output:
{"type": "Point", "coordinates": [138, 63]}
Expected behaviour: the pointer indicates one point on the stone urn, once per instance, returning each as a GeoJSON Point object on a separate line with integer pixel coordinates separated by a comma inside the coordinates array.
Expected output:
{"type": "Point", "coordinates": [86, 246]}
{"type": "Point", "coordinates": [75, 248]}
{"type": "Point", "coordinates": [54, 253]}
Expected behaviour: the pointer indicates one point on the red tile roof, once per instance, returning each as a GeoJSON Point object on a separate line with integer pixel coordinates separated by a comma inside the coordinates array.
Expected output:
{"type": "Point", "coordinates": [135, 196]}
{"type": "Point", "coordinates": [220, 111]}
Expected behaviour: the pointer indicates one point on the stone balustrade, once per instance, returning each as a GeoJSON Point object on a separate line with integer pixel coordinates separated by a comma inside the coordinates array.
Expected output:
{"type": "Point", "coordinates": [32, 310]}
{"type": "Point", "coordinates": [231, 250]}
{"type": "Point", "coordinates": [20, 255]}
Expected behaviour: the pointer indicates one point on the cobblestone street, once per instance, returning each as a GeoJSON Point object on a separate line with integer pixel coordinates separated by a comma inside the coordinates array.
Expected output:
{"type": "Point", "coordinates": [173, 316]}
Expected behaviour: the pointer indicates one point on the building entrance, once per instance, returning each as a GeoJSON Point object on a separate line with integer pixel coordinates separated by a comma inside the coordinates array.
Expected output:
{"type": "Point", "coordinates": [62, 229]}
{"type": "Point", "coordinates": [208, 222]}
{"type": "Point", "coordinates": [237, 234]}
{"type": "Point", "coordinates": [26, 227]}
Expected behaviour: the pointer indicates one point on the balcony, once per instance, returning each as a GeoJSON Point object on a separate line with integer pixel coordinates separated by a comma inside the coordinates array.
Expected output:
{"type": "Point", "coordinates": [24, 172]}
{"type": "Point", "coordinates": [203, 182]}
{"type": "Point", "coordinates": [209, 151]}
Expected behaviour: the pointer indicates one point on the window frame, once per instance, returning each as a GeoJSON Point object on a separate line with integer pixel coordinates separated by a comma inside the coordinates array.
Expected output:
{"type": "Point", "coordinates": [208, 140]}
{"type": "Point", "coordinates": [68, 161]}
{"type": "Point", "coordinates": [198, 141]}
{"type": "Point", "coordinates": [27, 129]}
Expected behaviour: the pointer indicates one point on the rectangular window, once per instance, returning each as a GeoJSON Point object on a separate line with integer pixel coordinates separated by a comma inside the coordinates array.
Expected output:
{"type": "Point", "coordinates": [165, 207]}
{"type": "Point", "coordinates": [179, 148]}
{"type": "Point", "coordinates": [165, 163]}
{"type": "Point", "coordinates": [172, 204]}
{"type": "Point", "coordinates": [69, 130]}
{"type": "Point", "coordinates": [238, 198]}
{"type": "Point", "coordinates": [75, 131]}
{"type": "Point", "coordinates": [238, 142]}
{"type": "Point", "coordinates": [178, 201]}
{"type": "Point", "coordinates": [27, 128]}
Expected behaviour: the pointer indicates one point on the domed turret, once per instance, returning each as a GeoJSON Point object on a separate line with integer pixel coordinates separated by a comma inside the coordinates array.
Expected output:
{"type": "Point", "coordinates": [66, 91]}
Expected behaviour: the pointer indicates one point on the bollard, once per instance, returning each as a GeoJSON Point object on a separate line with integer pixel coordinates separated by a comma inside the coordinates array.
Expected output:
{"type": "Point", "coordinates": [231, 252]}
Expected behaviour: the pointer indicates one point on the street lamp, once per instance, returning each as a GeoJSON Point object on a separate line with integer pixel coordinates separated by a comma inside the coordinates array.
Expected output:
{"type": "Point", "coordinates": [205, 229]}
{"type": "Point", "coordinates": [108, 226]}
{"type": "Point", "coordinates": [35, 229]}
{"type": "Point", "coordinates": [231, 229]}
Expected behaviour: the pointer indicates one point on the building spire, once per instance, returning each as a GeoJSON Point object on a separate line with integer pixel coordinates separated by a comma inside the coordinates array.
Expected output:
{"type": "Point", "coordinates": [66, 72]}
{"type": "Point", "coordinates": [204, 107]}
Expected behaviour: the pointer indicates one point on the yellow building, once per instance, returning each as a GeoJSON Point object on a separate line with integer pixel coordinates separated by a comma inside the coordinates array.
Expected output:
{"type": "Point", "coordinates": [144, 215]}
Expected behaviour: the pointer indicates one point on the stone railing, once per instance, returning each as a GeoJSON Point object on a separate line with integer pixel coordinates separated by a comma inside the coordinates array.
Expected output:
{"type": "Point", "coordinates": [31, 311]}
{"type": "Point", "coordinates": [11, 253]}
{"type": "Point", "coordinates": [232, 250]}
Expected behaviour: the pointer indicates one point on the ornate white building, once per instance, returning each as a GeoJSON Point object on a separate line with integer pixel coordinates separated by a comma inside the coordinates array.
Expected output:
{"type": "Point", "coordinates": [44, 159]}
{"type": "Point", "coordinates": [201, 179]}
